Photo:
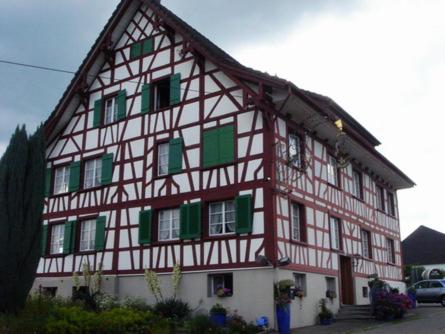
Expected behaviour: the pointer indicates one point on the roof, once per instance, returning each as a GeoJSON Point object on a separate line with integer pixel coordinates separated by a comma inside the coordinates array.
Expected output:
{"type": "Point", "coordinates": [321, 103]}
{"type": "Point", "coordinates": [424, 246]}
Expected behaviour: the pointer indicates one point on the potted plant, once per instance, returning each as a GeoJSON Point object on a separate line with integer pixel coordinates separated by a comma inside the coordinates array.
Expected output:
{"type": "Point", "coordinates": [218, 315]}
{"type": "Point", "coordinates": [331, 294]}
{"type": "Point", "coordinates": [283, 300]}
{"type": "Point", "coordinates": [223, 292]}
{"type": "Point", "coordinates": [325, 314]}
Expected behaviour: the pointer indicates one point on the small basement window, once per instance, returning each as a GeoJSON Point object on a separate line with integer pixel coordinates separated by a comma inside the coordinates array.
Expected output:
{"type": "Point", "coordinates": [48, 291]}
{"type": "Point", "coordinates": [161, 94]}
{"type": "Point", "coordinates": [300, 283]}
{"type": "Point", "coordinates": [220, 285]}
{"type": "Point", "coordinates": [365, 292]}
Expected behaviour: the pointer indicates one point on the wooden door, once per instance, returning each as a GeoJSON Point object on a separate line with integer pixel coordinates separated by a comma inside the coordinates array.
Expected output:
{"type": "Point", "coordinates": [347, 288]}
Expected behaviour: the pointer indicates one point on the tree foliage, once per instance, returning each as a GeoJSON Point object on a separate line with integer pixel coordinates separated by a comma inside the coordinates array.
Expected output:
{"type": "Point", "coordinates": [22, 170]}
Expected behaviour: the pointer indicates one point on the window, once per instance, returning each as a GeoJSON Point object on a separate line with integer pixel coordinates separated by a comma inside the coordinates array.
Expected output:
{"type": "Point", "coordinates": [222, 218]}
{"type": "Point", "coordinates": [365, 292]}
{"type": "Point", "coordinates": [333, 171]}
{"type": "Point", "coordinates": [169, 225]}
{"type": "Point", "coordinates": [111, 111]}
{"type": "Point", "coordinates": [390, 250]}
{"type": "Point", "coordinates": [298, 224]}
{"type": "Point", "coordinates": [435, 284]}
{"type": "Point", "coordinates": [49, 291]}
{"type": "Point", "coordinates": [87, 235]}
{"type": "Point", "coordinates": [391, 204]}
{"type": "Point", "coordinates": [163, 151]}
{"type": "Point", "coordinates": [170, 157]}
{"type": "Point", "coordinates": [357, 189]}
{"type": "Point", "coordinates": [295, 150]}
{"type": "Point", "coordinates": [220, 285]}
{"type": "Point", "coordinates": [335, 233]}
{"type": "Point", "coordinates": [93, 172]}
{"type": "Point", "coordinates": [219, 146]}
{"type": "Point", "coordinates": [57, 236]}
{"type": "Point", "coordinates": [300, 283]}
{"type": "Point", "coordinates": [143, 48]}
{"type": "Point", "coordinates": [161, 94]}
{"type": "Point", "coordinates": [380, 193]}
{"type": "Point", "coordinates": [61, 180]}
{"type": "Point", "coordinates": [330, 284]}
{"type": "Point", "coordinates": [366, 244]}
{"type": "Point", "coordinates": [422, 285]}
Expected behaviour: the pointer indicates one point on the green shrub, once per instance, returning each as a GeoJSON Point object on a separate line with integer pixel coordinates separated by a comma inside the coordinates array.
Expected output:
{"type": "Point", "coordinates": [201, 324]}
{"type": "Point", "coordinates": [71, 320]}
{"type": "Point", "coordinates": [172, 308]}
{"type": "Point", "coordinates": [237, 325]}
{"type": "Point", "coordinates": [135, 304]}
{"type": "Point", "coordinates": [121, 320]}
{"type": "Point", "coordinates": [106, 302]}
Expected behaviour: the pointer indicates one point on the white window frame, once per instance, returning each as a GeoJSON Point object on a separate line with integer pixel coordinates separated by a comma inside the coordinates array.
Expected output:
{"type": "Point", "coordinates": [332, 171]}
{"type": "Point", "coordinates": [335, 233]}
{"type": "Point", "coordinates": [57, 238]}
{"type": "Point", "coordinates": [391, 203]}
{"type": "Point", "coordinates": [93, 173]}
{"type": "Point", "coordinates": [87, 236]}
{"type": "Point", "coordinates": [170, 218]}
{"type": "Point", "coordinates": [380, 198]}
{"type": "Point", "coordinates": [111, 111]}
{"type": "Point", "coordinates": [61, 180]}
{"type": "Point", "coordinates": [295, 149]}
{"type": "Point", "coordinates": [331, 284]}
{"type": "Point", "coordinates": [391, 250]}
{"type": "Point", "coordinates": [163, 153]}
{"type": "Point", "coordinates": [300, 282]}
{"type": "Point", "coordinates": [296, 217]}
{"type": "Point", "coordinates": [366, 244]}
{"type": "Point", "coordinates": [218, 280]}
{"type": "Point", "coordinates": [357, 184]}
{"type": "Point", "coordinates": [225, 223]}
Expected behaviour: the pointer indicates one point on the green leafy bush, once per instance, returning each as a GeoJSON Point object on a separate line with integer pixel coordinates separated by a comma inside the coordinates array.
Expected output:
{"type": "Point", "coordinates": [136, 304]}
{"type": "Point", "coordinates": [201, 324]}
{"type": "Point", "coordinates": [172, 308]}
{"type": "Point", "coordinates": [71, 320]}
{"type": "Point", "coordinates": [121, 320]}
{"type": "Point", "coordinates": [237, 325]}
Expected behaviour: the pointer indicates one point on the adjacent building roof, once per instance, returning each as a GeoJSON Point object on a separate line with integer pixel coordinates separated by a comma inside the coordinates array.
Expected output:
{"type": "Point", "coordinates": [424, 246]}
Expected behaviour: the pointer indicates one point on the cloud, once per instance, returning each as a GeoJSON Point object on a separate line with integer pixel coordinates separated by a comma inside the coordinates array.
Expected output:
{"type": "Point", "coordinates": [385, 64]}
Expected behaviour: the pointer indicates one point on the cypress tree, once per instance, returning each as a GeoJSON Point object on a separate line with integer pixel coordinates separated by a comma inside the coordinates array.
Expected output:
{"type": "Point", "coordinates": [21, 204]}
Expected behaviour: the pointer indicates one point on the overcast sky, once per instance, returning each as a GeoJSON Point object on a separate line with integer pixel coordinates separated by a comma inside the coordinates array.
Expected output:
{"type": "Point", "coordinates": [382, 61]}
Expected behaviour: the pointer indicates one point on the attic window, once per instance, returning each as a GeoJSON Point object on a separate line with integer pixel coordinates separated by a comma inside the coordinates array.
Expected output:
{"type": "Point", "coordinates": [161, 94]}
{"type": "Point", "coordinates": [141, 48]}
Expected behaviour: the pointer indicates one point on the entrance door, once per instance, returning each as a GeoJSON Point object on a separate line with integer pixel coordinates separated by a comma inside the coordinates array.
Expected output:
{"type": "Point", "coordinates": [347, 289]}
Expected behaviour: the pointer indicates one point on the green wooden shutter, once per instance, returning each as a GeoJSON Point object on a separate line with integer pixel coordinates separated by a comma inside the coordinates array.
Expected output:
{"type": "Point", "coordinates": [107, 169]}
{"type": "Point", "coordinates": [244, 213]}
{"type": "Point", "coordinates": [44, 240]}
{"type": "Point", "coordinates": [74, 176]}
{"type": "Point", "coordinates": [121, 104]}
{"type": "Point", "coordinates": [194, 220]}
{"type": "Point", "coordinates": [136, 50]}
{"type": "Point", "coordinates": [147, 46]}
{"type": "Point", "coordinates": [210, 148]}
{"type": "Point", "coordinates": [175, 89]}
{"type": "Point", "coordinates": [184, 222]}
{"type": "Point", "coordinates": [48, 182]}
{"type": "Point", "coordinates": [190, 221]}
{"type": "Point", "coordinates": [69, 237]}
{"type": "Point", "coordinates": [175, 156]}
{"type": "Point", "coordinates": [226, 144]}
{"type": "Point", "coordinates": [97, 119]}
{"type": "Point", "coordinates": [145, 227]}
{"type": "Point", "coordinates": [146, 101]}
{"type": "Point", "coordinates": [100, 233]}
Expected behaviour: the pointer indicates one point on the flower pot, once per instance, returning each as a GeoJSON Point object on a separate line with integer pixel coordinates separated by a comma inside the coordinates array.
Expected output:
{"type": "Point", "coordinates": [325, 321]}
{"type": "Point", "coordinates": [218, 319]}
{"type": "Point", "coordinates": [283, 318]}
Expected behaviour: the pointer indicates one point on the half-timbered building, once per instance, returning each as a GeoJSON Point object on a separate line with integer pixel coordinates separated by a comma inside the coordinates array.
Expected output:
{"type": "Point", "coordinates": [165, 150]}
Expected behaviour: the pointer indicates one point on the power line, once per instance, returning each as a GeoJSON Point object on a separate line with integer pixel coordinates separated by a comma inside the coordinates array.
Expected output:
{"type": "Point", "coordinates": [53, 69]}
